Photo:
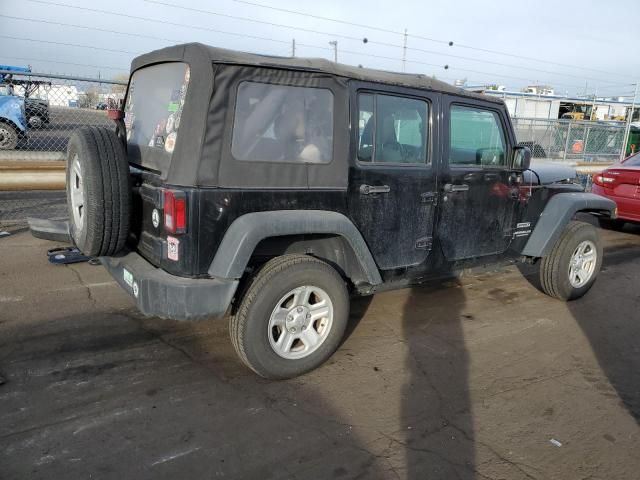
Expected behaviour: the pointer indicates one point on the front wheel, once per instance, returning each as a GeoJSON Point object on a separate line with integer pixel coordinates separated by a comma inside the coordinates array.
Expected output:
{"type": "Point", "coordinates": [8, 136]}
{"type": "Point", "coordinates": [571, 268]}
{"type": "Point", "coordinates": [292, 317]}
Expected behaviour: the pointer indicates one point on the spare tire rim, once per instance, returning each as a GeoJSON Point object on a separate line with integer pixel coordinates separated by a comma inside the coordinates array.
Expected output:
{"type": "Point", "coordinates": [300, 322]}
{"type": "Point", "coordinates": [582, 264]}
{"type": "Point", "coordinates": [77, 193]}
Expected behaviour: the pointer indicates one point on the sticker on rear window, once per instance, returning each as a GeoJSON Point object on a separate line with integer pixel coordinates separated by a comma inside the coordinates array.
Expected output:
{"type": "Point", "coordinates": [172, 248]}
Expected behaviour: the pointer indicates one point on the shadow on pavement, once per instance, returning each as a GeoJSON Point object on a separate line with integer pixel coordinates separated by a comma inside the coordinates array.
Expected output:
{"type": "Point", "coordinates": [610, 319]}
{"type": "Point", "coordinates": [436, 408]}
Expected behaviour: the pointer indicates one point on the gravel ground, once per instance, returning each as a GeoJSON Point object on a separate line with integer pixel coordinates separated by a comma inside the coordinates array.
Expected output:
{"type": "Point", "coordinates": [482, 378]}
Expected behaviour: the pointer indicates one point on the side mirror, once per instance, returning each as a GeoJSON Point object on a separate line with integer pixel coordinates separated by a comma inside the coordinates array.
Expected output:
{"type": "Point", "coordinates": [521, 158]}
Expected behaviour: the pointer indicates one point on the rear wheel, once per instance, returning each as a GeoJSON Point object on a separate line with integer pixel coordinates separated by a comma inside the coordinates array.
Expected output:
{"type": "Point", "coordinates": [292, 317]}
{"type": "Point", "coordinates": [8, 136]}
{"type": "Point", "coordinates": [98, 191]}
{"type": "Point", "coordinates": [571, 268]}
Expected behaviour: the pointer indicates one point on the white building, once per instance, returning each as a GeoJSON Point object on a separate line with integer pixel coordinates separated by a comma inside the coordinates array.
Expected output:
{"type": "Point", "coordinates": [57, 95]}
{"type": "Point", "coordinates": [533, 105]}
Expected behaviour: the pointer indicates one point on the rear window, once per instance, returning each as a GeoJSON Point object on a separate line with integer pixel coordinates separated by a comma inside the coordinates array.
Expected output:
{"type": "Point", "coordinates": [281, 123]}
{"type": "Point", "coordinates": [152, 113]}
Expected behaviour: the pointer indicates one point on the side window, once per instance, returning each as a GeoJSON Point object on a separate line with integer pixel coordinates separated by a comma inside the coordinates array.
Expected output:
{"type": "Point", "coordinates": [476, 138]}
{"type": "Point", "coordinates": [392, 129]}
{"type": "Point", "coordinates": [281, 123]}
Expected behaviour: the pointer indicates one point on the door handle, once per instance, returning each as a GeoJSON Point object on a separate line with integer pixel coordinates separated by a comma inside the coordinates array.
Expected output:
{"type": "Point", "coordinates": [451, 188]}
{"type": "Point", "coordinates": [371, 189]}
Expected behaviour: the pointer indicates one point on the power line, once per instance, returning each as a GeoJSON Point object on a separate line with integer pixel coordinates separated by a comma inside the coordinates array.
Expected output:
{"type": "Point", "coordinates": [68, 44]}
{"type": "Point", "coordinates": [421, 37]}
{"type": "Point", "coordinates": [154, 20]}
{"type": "Point", "coordinates": [250, 36]}
{"type": "Point", "coordinates": [253, 20]}
{"type": "Point", "coordinates": [28, 59]}
{"type": "Point", "coordinates": [210, 12]}
{"type": "Point", "coordinates": [86, 27]}
{"type": "Point", "coordinates": [491, 62]}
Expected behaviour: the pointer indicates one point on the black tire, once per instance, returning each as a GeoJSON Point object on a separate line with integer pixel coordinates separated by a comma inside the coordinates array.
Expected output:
{"type": "Point", "coordinates": [103, 226]}
{"type": "Point", "coordinates": [609, 224]}
{"type": "Point", "coordinates": [36, 121]}
{"type": "Point", "coordinates": [554, 268]}
{"type": "Point", "coordinates": [8, 136]}
{"type": "Point", "coordinates": [249, 327]}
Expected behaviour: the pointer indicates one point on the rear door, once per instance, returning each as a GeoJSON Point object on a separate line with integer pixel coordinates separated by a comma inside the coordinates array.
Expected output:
{"type": "Point", "coordinates": [392, 183]}
{"type": "Point", "coordinates": [479, 188]}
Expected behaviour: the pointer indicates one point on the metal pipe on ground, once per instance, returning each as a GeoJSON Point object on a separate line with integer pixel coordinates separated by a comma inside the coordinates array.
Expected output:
{"type": "Point", "coordinates": [30, 175]}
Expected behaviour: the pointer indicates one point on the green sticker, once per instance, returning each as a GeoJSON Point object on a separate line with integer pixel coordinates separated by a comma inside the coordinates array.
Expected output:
{"type": "Point", "coordinates": [173, 107]}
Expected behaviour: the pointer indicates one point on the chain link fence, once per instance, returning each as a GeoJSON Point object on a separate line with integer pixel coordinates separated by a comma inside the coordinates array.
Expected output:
{"type": "Point", "coordinates": [45, 109]}
{"type": "Point", "coordinates": [38, 113]}
{"type": "Point", "coordinates": [571, 140]}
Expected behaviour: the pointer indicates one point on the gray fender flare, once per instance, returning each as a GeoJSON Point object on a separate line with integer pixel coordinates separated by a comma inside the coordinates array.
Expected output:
{"type": "Point", "coordinates": [248, 230]}
{"type": "Point", "coordinates": [557, 213]}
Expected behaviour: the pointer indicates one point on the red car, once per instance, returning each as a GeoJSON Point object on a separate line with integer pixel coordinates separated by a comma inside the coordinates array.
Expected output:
{"type": "Point", "coordinates": [621, 183]}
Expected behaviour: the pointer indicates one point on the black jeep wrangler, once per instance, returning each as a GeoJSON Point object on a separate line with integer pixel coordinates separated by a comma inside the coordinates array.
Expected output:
{"type": "Point", "coordinates": [274, 188]}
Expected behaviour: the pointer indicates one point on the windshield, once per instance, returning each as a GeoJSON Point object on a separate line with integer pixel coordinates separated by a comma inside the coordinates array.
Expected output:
{"type": "Point", "coordinates": [152, 114]}
{"type": "Point", "coordinates": [633, 161]}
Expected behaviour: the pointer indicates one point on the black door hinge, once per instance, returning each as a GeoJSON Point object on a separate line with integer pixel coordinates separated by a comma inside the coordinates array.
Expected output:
{"type": "Point", "coordinates": [429, 197]}
{"type": "Point", "coordinates": [424, 243]}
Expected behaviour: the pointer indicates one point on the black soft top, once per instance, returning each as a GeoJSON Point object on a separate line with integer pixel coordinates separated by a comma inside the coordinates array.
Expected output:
{"type": "Point", "coordinates": [198, 52]}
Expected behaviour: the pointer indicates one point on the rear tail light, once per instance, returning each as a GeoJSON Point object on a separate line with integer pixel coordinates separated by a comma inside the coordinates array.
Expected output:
{"type": "Point", "coordinates": [175, 211]}
{"type": "Point", "coordinates": [603, 181]}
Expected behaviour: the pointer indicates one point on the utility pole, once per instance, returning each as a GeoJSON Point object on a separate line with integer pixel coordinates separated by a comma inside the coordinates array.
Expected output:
{"type": "Point", "coordinates": [293, 47]}
{"type": "Point", "coordinates": [334, 44]}
{"type": "Point", "coordinates": [627, 127]}
{"type": "Point", "coordinates": [404, 51]}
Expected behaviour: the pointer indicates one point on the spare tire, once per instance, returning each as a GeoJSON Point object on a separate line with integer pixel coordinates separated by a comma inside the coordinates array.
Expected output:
{"type": "Point", "coordinates": [98, 191]}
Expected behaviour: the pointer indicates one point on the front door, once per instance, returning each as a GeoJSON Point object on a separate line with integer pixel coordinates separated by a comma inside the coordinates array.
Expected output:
{"type": "Point", "coordinates": [392, 184]}
{"type": "Point", "coordinates": [479, 187]}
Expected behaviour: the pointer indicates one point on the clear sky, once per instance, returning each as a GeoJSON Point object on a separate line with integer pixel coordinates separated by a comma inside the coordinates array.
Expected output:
{"type": "Point", "coordinates": [589, 43]}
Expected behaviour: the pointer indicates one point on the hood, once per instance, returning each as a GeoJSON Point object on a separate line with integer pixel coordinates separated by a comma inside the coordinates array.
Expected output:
{"type": "Point", "coordinates": [12, 109]}
{"type": "Point", "coordinates": [550, 173]}
{"type": "Point", "coordinates": [36, 101]}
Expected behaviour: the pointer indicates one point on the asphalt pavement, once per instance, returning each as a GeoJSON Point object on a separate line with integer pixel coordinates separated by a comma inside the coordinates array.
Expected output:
{"type": "Point", "coordinates": [482, 378]}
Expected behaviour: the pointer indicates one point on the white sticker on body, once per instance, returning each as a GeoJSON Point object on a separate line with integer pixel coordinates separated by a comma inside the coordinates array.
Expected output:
{"type": "Point", "coordinates": [172, 248]}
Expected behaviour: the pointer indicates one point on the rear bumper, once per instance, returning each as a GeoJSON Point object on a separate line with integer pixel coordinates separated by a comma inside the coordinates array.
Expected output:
{"type": "Point", "coordinates": [628, 207]}
{"type": "Point", "coordinates": [158, 293]}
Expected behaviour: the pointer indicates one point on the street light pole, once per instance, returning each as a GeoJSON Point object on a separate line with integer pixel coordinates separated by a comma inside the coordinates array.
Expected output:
{"type": "Point", "coordinates": [627, 127]}
{"type": "Point", "coordinates": [404, 51]}
{"type": "Point", "coordinates": [334, 44]}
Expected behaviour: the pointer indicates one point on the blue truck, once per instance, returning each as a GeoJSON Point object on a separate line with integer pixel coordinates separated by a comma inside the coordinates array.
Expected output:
{"type": "Point", "coordinates": [13, 122]}
{"type": "Point", "coordinates": [13, 119]}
